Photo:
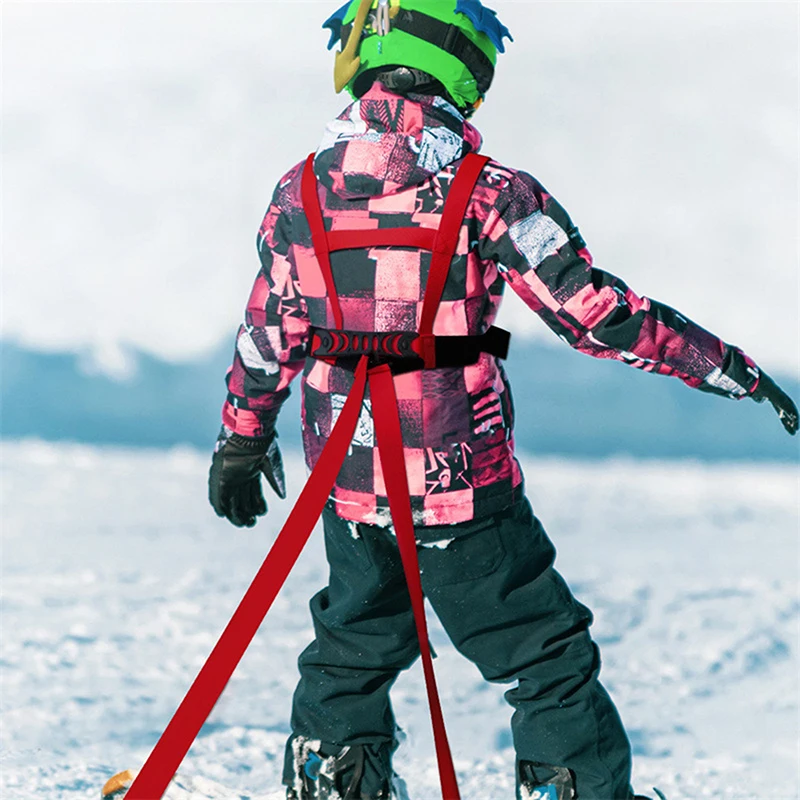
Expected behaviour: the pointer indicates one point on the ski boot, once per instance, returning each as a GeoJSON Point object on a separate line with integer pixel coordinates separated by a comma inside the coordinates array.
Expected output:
{"type": "Point", "coordinates": [544, 782]}
{"type": "Point", "coordinates": [319, 775]}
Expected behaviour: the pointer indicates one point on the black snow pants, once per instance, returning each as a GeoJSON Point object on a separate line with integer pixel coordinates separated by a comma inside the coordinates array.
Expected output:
{"type": "Point", "coordinates": [504, 607]}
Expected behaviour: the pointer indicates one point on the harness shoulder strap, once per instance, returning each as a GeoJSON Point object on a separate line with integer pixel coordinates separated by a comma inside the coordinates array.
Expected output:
{"type": "Point", "coordinates": [319, 236]}
{"type": "Point", "coordinates": [444, 248]}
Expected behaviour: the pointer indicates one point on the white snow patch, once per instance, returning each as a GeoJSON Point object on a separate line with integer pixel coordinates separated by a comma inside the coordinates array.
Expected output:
{"type": "Point", "coordinates": [116, 590]}
{"type": "Point", "coordinates": [441, 544]}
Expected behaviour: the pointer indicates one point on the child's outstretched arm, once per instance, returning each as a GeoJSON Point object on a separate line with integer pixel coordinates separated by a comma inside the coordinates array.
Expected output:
{"type": "Point", "coordinates": [543, 257]}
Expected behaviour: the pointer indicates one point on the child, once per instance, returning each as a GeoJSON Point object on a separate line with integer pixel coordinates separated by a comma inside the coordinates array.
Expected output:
{"type": "Point", "coordinates": [418, 69]}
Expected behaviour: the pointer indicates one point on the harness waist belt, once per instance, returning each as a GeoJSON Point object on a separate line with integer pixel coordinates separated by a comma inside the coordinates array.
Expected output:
{"type": "Point", "coordinates": [405, 351]}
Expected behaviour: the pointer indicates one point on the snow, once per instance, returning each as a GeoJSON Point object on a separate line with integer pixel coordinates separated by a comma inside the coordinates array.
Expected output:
{"type": "Point", "coordinates": [117, 579]}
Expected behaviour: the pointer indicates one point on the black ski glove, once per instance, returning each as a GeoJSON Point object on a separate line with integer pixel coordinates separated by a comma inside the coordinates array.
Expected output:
{"type": "Point", "coordinates": [767, 389]}
{"type": "Point", "coordinates": [234, 482]}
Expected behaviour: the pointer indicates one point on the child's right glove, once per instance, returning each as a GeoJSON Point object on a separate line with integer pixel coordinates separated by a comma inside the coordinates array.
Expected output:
{"type": "Point", "coordinates": [234, 482]}
{"type": "Point", "coordinates": [767, 389]}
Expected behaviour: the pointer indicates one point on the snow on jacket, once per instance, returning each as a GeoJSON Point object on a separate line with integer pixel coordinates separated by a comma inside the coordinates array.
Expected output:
{"type": "Point", "coordinates": [389, 161]}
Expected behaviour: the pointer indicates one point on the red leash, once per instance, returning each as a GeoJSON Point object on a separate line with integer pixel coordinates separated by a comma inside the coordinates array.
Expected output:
{"type": "Point", "coordinates": [390, 449]}
{"type": "Point", "coordinates": [171, 748]}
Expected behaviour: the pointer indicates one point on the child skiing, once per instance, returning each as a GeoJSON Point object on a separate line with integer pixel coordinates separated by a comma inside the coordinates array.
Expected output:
{"type": "Point", "coordinates": [372, 272]}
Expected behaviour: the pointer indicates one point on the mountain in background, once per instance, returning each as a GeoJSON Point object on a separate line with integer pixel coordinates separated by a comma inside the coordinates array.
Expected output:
{"type": "Point", "coordinates": [566, 404]}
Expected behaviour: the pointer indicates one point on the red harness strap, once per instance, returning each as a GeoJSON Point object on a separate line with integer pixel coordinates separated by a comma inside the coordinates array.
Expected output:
{"type": "Point", "coordinates": [393, 465]}
{"type": "Point", "coordinates": [319, 236]}
{"type": "Point", "coordinates": [171, 748]}
{"type": "Point", "coordinates": [445, 247]}
{"type": "Point", "coordinates": [423, 238]}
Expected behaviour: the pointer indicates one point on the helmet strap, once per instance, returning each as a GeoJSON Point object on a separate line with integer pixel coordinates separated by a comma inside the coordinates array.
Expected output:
{"type": "Point", "coordinates": [402, 79]}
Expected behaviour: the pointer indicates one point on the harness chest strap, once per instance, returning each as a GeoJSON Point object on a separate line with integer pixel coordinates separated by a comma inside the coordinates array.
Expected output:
{"type": "Point", "coordinates": [174, 743]}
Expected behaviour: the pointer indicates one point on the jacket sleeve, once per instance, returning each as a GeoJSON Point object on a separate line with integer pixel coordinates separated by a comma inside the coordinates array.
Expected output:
{"type": "Point", "coordinates": [270, 345]}
{"type": "Point", "coordinates": [544, 259]}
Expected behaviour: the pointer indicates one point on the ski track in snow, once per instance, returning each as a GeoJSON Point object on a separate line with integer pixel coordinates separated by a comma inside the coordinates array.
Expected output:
{"type": "Point", "coordinates": [118, 578]}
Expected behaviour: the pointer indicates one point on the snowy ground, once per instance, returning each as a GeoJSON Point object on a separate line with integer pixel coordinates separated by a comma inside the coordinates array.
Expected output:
{"type": "Point", "coordinates": [117, 579]}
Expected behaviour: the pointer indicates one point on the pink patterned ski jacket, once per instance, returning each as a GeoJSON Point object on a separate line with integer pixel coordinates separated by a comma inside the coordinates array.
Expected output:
{"type": "Point", "coordinates": [388, 161]}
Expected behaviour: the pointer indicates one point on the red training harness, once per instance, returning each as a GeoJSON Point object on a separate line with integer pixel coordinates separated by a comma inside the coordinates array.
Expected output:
{"type": "Point", "coordinates": [169, 751]}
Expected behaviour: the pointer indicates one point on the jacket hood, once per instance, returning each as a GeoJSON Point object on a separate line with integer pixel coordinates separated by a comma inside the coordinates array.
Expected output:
{"type": "Point", "coordinates": [384, 143]}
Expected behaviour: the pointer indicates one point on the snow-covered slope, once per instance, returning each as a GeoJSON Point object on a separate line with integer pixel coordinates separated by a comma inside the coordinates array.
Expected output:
{"type": "Point", "coordinates": [117, 580]}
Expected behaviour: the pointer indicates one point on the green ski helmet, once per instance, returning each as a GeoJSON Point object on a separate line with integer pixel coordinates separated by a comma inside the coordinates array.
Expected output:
{"type": "Point", "coordinates": [419, 45]}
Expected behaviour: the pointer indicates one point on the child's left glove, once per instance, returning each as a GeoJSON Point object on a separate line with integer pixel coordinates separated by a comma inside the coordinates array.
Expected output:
{"type": "Point", "coordinates": [234, 482]}
{"type": "Point", "coordinates": [784, 406]}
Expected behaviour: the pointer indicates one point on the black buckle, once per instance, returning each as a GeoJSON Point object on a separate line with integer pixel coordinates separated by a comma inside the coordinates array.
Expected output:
{"type": "Point", "coordinates": [461, 351]}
